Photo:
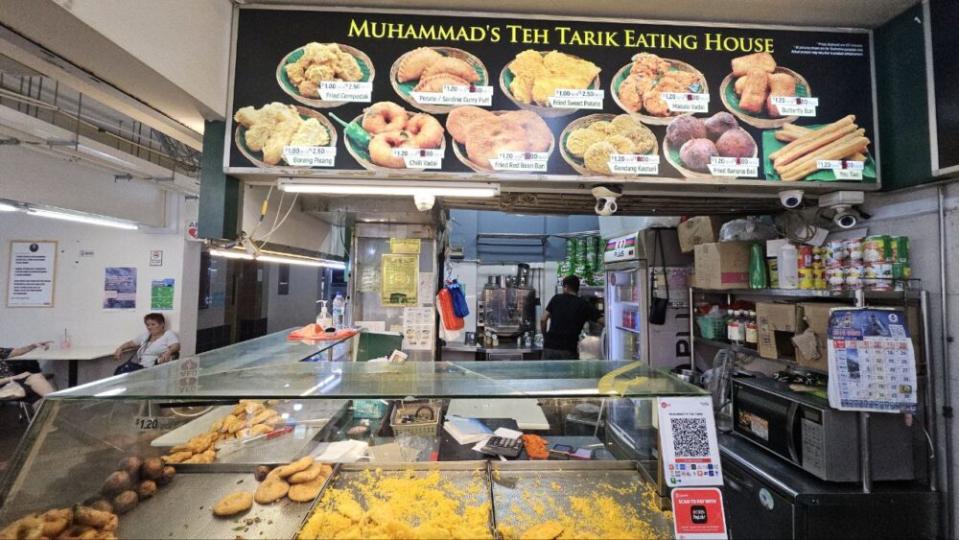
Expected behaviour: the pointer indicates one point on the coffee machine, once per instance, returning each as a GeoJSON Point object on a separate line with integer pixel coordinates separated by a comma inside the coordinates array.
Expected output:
{"type": "Point", "coordinates": [507, 305]}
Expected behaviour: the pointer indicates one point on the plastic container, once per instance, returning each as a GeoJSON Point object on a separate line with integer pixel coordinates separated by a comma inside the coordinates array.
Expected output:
{"type": "Point", "coordinates": [788, 267]}
{"type": "Point", "coordinates": [711, 327]}
{"type": "Point", "coordinates": [323, 319]}
{"type": "Point", "coordinates": [419, 410]}
{"type": "Point", "coordinates": [339, 309]}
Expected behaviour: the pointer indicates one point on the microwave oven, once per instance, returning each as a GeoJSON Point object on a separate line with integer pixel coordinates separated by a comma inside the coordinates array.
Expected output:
{"type": "Point", "coordinates": [803, 430]}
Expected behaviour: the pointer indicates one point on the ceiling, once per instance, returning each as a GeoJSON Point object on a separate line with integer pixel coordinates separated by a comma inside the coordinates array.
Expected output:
{"type": "Point", "coordinates": [830, 13]}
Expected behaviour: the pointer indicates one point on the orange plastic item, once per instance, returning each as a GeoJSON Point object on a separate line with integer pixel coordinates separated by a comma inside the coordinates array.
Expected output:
{"type": "Point", "coordinates": [450, 320]}
{"type": "Point", "coordinates": [536, 447]}
{"type": "Point", "coordinates": [313, 332]}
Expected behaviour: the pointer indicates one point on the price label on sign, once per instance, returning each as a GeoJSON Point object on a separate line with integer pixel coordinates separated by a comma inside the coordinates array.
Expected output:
{"type": "Point", "coordinates": [734, 167]}
{"type": "Point", "coordinates": [795, 106]}
{"type": "Point", "coordinates": [452, 94]}
{"type": "Point", "coordinates": [634, 163]}
{"type": "Point", "coordinates": [346, 91]}
{"type": "Point", "coordinates": [310, 156]}
{"type": "Point", "coordinates": [687, 432]}
{"type": "Point", "coordinates": [698, 514]}
{"type": "Point", "coordinates": [686, 102]}
{"type": "Point", "coordinates": [844, 170]}
{"type": "Point", "coordinates": [420, 158]}
{"type": "Point", "coordinates": [570, 98]}
{"type": "Point", "coordinates": [520, 161]}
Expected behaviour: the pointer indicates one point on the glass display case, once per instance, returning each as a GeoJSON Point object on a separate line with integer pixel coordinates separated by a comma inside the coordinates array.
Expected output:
{"type": "Point", "coordinates": [393, 469]}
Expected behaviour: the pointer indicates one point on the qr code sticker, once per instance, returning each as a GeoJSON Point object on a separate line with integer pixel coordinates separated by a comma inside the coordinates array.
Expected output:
{"type": "Point", "coordinates": [690, 437]}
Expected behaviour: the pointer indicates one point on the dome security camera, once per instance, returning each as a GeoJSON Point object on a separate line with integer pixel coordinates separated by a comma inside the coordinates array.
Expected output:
{"type": "Point", "coordinates": [791, 198]}
{"type": "Point", "coordinates": [424, 203]}
{"type": "Point", "coordinates": [606, 195]}
{"type": "Point", "coordinates": [845, 218]}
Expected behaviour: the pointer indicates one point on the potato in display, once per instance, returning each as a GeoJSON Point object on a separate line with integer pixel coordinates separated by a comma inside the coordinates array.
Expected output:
{"type": "Point", "coordinates": [537, 75]}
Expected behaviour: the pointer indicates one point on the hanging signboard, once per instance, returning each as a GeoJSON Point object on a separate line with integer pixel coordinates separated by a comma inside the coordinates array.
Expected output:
{"type": "Point", "coordinates": [412, 95]}
{"type": "Point", "coordinates": [32, 274]}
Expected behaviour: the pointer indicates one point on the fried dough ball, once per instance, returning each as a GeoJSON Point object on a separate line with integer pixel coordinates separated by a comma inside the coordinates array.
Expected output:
{"type": "Point", "coordinates": [597, 155]}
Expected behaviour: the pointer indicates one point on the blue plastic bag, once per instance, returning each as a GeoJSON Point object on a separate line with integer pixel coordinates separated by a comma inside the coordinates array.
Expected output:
{"type": "Point", "coordinates": [460, 307]}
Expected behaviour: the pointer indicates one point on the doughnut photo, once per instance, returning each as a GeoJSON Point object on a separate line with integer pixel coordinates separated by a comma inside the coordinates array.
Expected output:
{"type": "Point", "coordinates": [385, 126]}
{"type": "Point", "coordinates": [480, 135]}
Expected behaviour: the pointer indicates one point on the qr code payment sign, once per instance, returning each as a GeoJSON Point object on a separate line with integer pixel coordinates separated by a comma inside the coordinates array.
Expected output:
{"type": "Point", "coordinates": [688, 440]}
{"type": "Point", "coordinates": [690, 437]}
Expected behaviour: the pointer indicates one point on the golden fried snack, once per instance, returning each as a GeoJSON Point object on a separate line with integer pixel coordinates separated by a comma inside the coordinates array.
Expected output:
{"type": "Point", "coordinates": [485, 140]}
{"type": "Point", "coordinates": [177, 457]}
{"type": "Point", "coordinates": [270, 490]}
{"type": "Point", "coordinates": [623, 144]}
{"type": "Point", "coordinates": [435, 83]}
{"type": "Point", "coordinates": [225, 423]}
{"type": "Point", "coordinates": [301, 464]}
{"type": "Point", "coordinates": [247, 407]}
{"type": "Point", "coordinates": [538, 135]}
{"type": "Point", "coordinates": [452, 66]}
{"type": "Point", "coordinates": [308, 475]}
{"type": "Point", "coordinates": [740, 85]}
{"type": "Point", "coordinates": [425, 131]}
{"type": "Point", "coordinates": [56, 521]}
{"type": "Point", "coordinates": [632, 89]}
{"type": "Point", "coordinates": [581, 71]}
{"type": "Point", "coordinates": [648, 65]}
{"type": "Point", "coordinates": [233, 504]}
{"type": "Point", "coordinates": [755, 90]}
{"type": "Point", "coordinates": [780, 84]}
{"type": "Point", "coordinates": [579, 140]}
{"type": "Point", "coordinates": [536, 77]}
{"type": "Point", "coordinates": [643, 139]}
{"type": "Point", "coordinates": [307, 491]}
{"type": "Point", "coordinates": [622, 124]}
{"type": "Point", "coordinates": [262, 416]}
{"type": "Point", "coordinates": [384, 116]}
{"type": "Point", "coordinates": [597, 155]}
{"type": "Point", "coordinates": [381, 151]}
{"type": "Point", "coordinates": [413, 63]}
{"type": "Point", "coordinates": [683, 79]}
{"type": "Point", "coordinates": [347, 68]}
{"type": "Point", "coordinates": [461, 118]}
{"type": "Point", "coordinates": [757, 61]}
{"type": "Point", "coordinates": [84, 515]}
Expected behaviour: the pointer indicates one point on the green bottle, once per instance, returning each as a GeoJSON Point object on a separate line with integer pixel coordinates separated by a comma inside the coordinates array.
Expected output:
{"type": "Point", "coordinates": [758, 279]}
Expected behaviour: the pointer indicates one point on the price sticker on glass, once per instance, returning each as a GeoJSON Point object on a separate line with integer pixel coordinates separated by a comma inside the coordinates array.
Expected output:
{"type": "Point", "coordinates": [346, 91]}
{"type": "Point", "coordinates": [568, 98]}
{"type": "Point", "coordinates": [453, 94]}
{"type": "Point", "coordinates": [634, 164]}
{"type": "Point", "coordinates": [310, 156]}
{"type": "Point", "coordinates": [844, 170]}
{"type": "Point", "coordinates": [421, 158]}
{"type": "Point", "coordinates": [795, 106]}
{"type": "Point", "coordinates": [733, 167]}
{"type": "Point", "coordinates": [686, 102]}
{"type": "Point", "coordinates": [520, 161]}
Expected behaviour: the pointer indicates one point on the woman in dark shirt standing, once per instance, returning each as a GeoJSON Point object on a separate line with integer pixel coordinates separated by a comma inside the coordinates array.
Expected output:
{"type": "Point", "coordinates": [13, 373]}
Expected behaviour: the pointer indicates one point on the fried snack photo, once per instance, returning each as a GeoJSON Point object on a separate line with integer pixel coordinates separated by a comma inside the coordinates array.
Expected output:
{"type": "Point", "coordinates": [483, 134]}
{"type": "Point", "coordinates": [386, 126]}
{"type": "Point", "coordinates": [429, 69]}
{"type": "Point", "coordinates": [755, 79]}
{"type": "Point", "coordinates": [302, 71]}
{"type": "Point", "coordinates": [691, 143]}
{"type": "Point", "coordinates": [840, 140]}
{"type": "Point", "coordinates": [533, 77]}
{"type": "Point", "coordinates": [588, 142]}
{"type": "Point", "coordinates": [638, 87]}
{"type": "Point", "coordinates": [262, 133]}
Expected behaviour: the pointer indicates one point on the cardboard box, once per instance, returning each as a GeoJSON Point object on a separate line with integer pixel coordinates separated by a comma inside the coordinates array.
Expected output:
{"type": "Point", "coordinates": [814, 317]}
{"type": "Point", "coordinates": [776, 323]}
{"type": "Point", "coordinates": [698, 230]}
{"type": "Point", "coordinates": [722, 265]}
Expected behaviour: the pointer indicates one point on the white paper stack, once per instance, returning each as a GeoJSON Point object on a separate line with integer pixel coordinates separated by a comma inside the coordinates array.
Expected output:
{"type": "Point", "coordinates": [466, 430]}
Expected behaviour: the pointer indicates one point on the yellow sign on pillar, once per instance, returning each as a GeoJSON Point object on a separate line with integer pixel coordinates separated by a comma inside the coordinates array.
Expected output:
{"type": "Point", "coordinates": [407, 246]}
{"type": "Point", "coordinates": [400, 280]}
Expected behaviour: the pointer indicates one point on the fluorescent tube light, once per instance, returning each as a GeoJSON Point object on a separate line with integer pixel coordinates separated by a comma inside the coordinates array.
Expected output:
{"type": "Point", "coordinates": [4, 207]}
{"type": "Point", "coordinates": [302, 261]}
{"type": "Point", "coordinates": [438, 190]}
{"type": "Point", "coordinates": [84, 218]}
{"type": "Point", "coordinates": [231, 254]}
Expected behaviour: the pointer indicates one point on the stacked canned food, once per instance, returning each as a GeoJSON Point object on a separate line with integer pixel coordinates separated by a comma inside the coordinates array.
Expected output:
{"type": "Point", "coordinates": [584, 258]}
{"type": "Point", "coordinates": [878, 263]}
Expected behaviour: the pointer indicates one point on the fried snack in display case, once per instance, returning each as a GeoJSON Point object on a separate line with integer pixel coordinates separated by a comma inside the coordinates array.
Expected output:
{"type": "Point", "coordinates": [429, 69]}
{"type": "Point", "coordinates": [301, 71]}
{"type": "Point", "coordinates": [88, 466]}
{"type": "Point", "coordinates": [263, 133]}
{"type": "Point", "coordinates": [637, 87]}
{"type": "Point", "coordinates": [755, 79]}
{"type": "Point", "coordinates": [533, 77]}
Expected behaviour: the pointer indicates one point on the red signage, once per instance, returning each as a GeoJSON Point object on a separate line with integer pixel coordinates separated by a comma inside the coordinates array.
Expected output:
{"type": "Point", "coordinates": [698, 514]}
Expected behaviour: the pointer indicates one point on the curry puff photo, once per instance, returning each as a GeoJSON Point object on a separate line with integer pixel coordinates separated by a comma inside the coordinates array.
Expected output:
{"type": "Point", "coordinates": [262, 133]}
{"type": "Point", "coordinates": [302, 71]}
{"type": "Point", "coordinates": [534, 76]}
{"type": "Point", "coordinates": [430, 69]}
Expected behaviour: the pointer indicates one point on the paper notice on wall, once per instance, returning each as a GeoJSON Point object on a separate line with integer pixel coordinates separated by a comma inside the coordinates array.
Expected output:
{"type": "Point", "coordinates": [32, 272]}
{"type": "Point", "coordinates": [872, 364]}
{"type": "Point", "coordinates": [119, 288]}
{"type": "Point", "coordinates": [418, 324]}
{"type": "Point", "coordinates": [161, 294]}
{"type": "Point", "coordinates": [369, 281]}
{"type": "Point", "coordinates": [427, 288]}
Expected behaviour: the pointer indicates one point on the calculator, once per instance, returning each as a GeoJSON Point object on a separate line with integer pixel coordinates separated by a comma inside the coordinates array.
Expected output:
{"type": "Point", "coordinates": [503, 446]}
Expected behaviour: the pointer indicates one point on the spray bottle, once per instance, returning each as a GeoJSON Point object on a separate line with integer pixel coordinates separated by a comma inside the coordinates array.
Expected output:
{"type": "Point", "coordinates": [323, 320]}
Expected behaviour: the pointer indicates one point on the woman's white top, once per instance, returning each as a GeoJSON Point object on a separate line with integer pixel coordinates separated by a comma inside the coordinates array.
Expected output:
{"type": "Point", "coordinates": [149, 351]}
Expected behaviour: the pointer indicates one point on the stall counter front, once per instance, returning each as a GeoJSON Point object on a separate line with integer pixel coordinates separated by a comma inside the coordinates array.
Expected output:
{"type": "Point", "coordinates": [327, 449]}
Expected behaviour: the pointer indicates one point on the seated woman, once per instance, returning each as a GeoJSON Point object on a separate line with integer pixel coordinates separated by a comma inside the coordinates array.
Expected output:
{"type": "Point", "coordinates": [155, 346]}
{"type": "Point", "coordinates": [14, 373]}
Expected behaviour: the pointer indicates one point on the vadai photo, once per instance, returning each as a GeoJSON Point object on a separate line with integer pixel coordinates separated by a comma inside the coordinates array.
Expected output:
{"type": "Point", "coordinates": [262, 133]}
{"type": "Point", "coordinates": [385, 126]}
{"type": "Point", "coordinates": [480, 135]}
{"type": "Point", "coordinates": [638, 87]}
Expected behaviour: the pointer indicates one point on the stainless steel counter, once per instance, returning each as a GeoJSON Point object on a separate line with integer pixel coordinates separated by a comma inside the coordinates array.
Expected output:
{"type": "Point", "coordinates": [459, 347]}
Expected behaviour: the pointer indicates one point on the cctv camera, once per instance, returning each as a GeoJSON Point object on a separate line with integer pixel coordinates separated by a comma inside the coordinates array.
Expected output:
{"type": "Point", "coordinates": [845, 218]}
{"type": "Point", "coordinates": [791, 198]}
{"type": "Point", "coordinates": [606, 195]}
{"type": "Point", "coordinates": [424, 203]}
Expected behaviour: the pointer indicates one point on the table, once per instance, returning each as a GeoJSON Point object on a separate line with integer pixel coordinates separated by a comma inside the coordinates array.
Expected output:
{"type": "Point", "coordinates": [72, 355]}
{"type": "Point", "coordinates": [526, 412]}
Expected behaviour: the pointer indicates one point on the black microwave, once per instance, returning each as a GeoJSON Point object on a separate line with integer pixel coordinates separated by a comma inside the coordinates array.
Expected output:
{"type": "Point", "coordinates": [803, 430]}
